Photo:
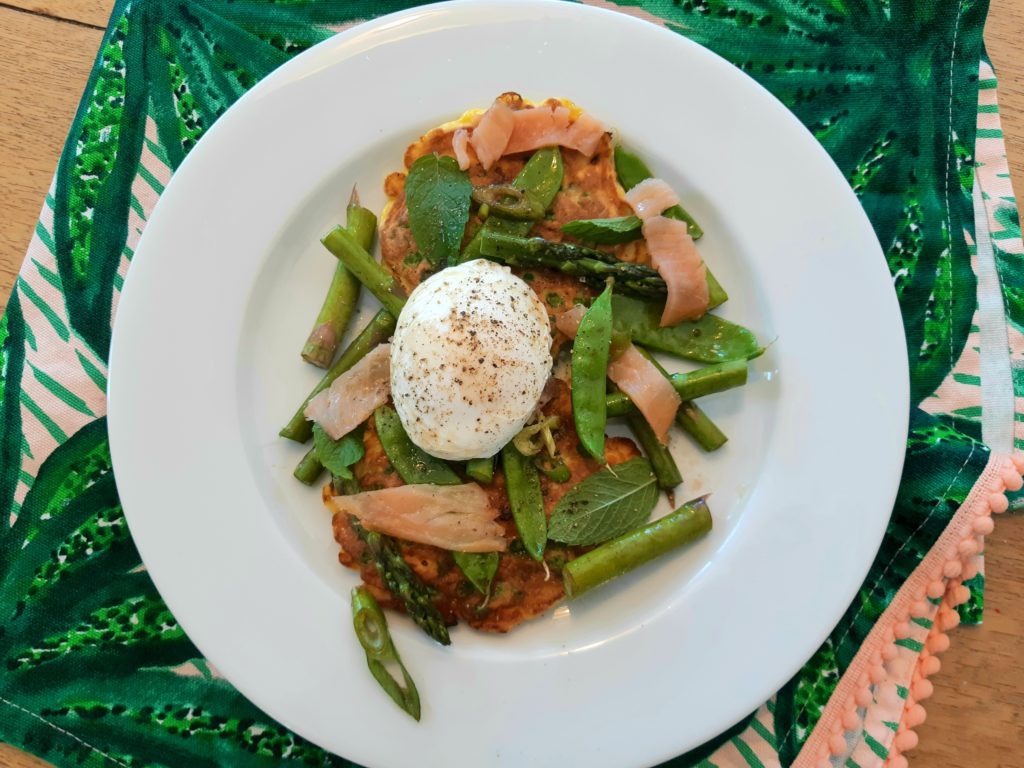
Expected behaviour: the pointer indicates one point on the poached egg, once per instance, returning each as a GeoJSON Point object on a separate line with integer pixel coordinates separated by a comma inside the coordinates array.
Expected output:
{"type": "Point", "coordinates": [469, 360]}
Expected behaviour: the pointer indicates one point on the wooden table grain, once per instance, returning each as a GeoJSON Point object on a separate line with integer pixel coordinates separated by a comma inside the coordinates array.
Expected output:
{"type": "Point", "coordinates": [976, 717]}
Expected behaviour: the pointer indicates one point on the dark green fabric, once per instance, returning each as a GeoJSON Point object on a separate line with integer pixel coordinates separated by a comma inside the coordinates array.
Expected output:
{"type": "Point", "coordinates": [88, 648]}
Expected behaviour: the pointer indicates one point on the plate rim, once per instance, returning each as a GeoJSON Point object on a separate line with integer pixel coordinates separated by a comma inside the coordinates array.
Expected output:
{"type": "Point", "coordinates": [278, 79]}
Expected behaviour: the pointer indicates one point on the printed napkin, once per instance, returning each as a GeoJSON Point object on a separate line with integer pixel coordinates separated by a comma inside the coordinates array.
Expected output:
{"type": "Point", "coordinates": [97, 672]}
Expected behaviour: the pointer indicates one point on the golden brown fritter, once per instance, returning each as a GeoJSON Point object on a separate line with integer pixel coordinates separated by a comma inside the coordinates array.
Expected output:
{"type": "Point", "coordinates": [522, 588]}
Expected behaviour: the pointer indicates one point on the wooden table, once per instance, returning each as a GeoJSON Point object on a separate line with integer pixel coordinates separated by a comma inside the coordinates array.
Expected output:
{"type": "Point", "coordinates": [975, 719]}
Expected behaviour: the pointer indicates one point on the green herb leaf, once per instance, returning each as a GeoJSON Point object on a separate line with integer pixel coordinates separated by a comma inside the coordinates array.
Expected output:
{"type": "Point", "coordinates": [437, 195]}
{"type": "Point", "coordinates": [708, 340]}
{"type": "Point", "coordinates": [479, 568]}
{"type": "Point", "coordinates": [622, 229]}
{"type": "Point", "coordinates": [606, 504]}
{"type": "Point", "coordinates": [338, 456]}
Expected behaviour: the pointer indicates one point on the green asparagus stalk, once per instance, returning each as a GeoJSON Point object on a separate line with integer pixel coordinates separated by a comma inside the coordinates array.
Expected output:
{"type": "Point", "coordinates": [377, 330]}
{"type": "Point", "coordinates": [631, 550]}
{"type": "Point", "coordinates": [664, 466]}
{"type": "Point", "coordinates": [710, 379]}
{"type": "Point", "coordinates": [481, 470]}
{"type": "Point", "coordinates": [691, 418]}
{"type": "Point", "coordinates": [592, 266]}
{"type": "Point", "coordinates": [700, 427]}
{"type": "Point", "coordinates": [309, 469]}
{"type": "Point", "coordinates": [618, 404]}
{"type": "Point", "coordinates": [377, 280]}
{"type": "Point", "coordinates": [342, 294]}
{"type": "Point", "coordinates": [372, 631]}
{"type": "Point", "coordinates": [404, 584]}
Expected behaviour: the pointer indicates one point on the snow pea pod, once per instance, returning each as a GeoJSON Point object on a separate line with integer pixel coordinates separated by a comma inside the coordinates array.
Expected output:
{"type": "Point", "coordinates": [522, 483]}
{"type": "Point", "coordinates": [590, 351]}
{"type": "Point", "coordinates": [413, 464]}
{"type": "Point", "coordinates": [708, 340]}
{"type": "Point", "coordinates": [541, 178]}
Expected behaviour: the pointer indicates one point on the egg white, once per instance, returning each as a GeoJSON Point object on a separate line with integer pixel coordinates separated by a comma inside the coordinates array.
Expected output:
{"type": "Point", "coordinates": [469, 359]}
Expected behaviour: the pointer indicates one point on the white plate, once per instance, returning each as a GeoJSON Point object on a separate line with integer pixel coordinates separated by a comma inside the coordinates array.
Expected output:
{"type": "Point", "coordinates": [205, 369]}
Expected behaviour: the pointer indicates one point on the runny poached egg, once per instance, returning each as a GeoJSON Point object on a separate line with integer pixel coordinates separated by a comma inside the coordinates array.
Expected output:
{"type": "Point", "coordinates": [469, 359]}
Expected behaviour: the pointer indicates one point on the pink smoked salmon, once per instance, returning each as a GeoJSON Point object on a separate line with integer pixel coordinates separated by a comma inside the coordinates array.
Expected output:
{"type": "Point", "coordinates": [545, 126]}
{"type": "Point", "coordinates": [634, 374]}
{"type": "Point", "coordinates": [460, 145]}
{"type": "Point", "coordinates": [675, 256]}
{"type": "Point", "coordinates": [456, 517]}
{"type": "Point", "coordinates": [492, 133]}
{"type": "Point", "coordinates": [354, 395]}
{"type": "Point", "coordinates": [651, 197]}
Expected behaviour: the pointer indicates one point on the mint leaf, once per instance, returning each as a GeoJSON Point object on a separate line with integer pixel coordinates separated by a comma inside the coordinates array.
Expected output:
{"type": "Point", "coordinates": [622, 229]}
{"type": "Point", "coordinates": [338, 456]}
{"type": "Point", "coordinates": [437, 196]}
{"type": "Point", "coordinates": [605, 505]}
{"type": "Point", "coordinates": [479, 568]}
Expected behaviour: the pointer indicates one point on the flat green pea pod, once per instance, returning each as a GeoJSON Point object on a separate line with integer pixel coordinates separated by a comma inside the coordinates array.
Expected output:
{"type": "Point", "coordinates": [413, 464]}
{"type": "Point", "coordinates": [541, 178]}
{"type": "Point", "coordinates": [522, 483]}
{"type": "Point", "coordinates": [589, 386]}
{"type": "Point", "coordinates": [372, 631]}
{"type": "Point", "coordinates": [479, 568]}
{"type": "Point", "coordinates": [708, 340]}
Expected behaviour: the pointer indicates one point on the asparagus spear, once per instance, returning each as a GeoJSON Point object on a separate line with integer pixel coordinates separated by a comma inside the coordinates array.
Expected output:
{"type": "Point", "coordinates": [691, 418]}
{"type": "Point", "coordinates": [664, 466]}
{"type": "Point", "coordinates": [710, 379]}
{"type": "Point", "coordinates": [631, 550]}
{"type": "Point", "coordinates": [309, 469]}
{"type": "Point", "coordinates": [377, 280]}
{"type": "Point", "coordinates": [618, 404]}
{"type": "Point", "coordinates": [592, 266]}
{"type": "Point", "coordinates": [342, 294]}
{"type": "Point", "coordinates": [700, 427]}
{"type": "Point", "coordinates": [404, 584]}
{"type": "Point", "coordinates": [377, 330]}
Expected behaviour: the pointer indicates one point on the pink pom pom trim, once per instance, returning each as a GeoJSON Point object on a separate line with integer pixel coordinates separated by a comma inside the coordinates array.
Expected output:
{"type": "Point", "coordinates": [872, 685]}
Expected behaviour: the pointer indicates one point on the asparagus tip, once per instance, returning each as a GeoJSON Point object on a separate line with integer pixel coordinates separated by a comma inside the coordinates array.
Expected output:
{"type": "Point", "coordinates": [353, 200]}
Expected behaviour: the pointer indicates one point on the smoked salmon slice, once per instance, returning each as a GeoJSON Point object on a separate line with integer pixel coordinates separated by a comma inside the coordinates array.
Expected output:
{"type": "Point", "coordinates": [454, 517]}
{"type": "Point", "coordinates": [492, 133]}
{"type": "Point", "coordinates": [354, 395]}
{"type": "Point", "coordinates": [460, 145]}
{"type": "Point", "coordinates": [674, 255]}
{"type": "Point", "coordinates": [651, 197]}
{"type": "Point", "coordinates": [652, 394]}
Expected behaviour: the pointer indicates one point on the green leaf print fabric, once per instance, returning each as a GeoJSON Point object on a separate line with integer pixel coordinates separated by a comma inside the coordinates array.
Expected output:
{"type": "Point", "coordinates": [95, 670]}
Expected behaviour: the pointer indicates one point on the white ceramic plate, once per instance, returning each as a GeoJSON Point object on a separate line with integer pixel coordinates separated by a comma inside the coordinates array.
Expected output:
{"type": "Point", "coordinates": [205, 369]}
